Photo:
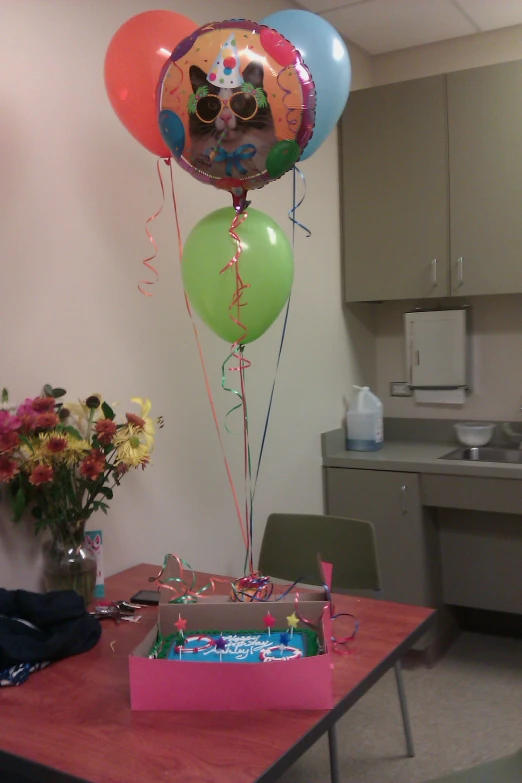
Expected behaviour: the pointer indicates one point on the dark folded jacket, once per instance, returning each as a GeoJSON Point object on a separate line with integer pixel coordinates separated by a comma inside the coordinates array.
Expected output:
{"type": "Point", "coordinates": [63, 626]}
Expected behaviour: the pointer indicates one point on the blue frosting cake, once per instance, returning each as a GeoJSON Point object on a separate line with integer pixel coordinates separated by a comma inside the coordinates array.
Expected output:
{"type": "Point", "coordinates": [240, 647]}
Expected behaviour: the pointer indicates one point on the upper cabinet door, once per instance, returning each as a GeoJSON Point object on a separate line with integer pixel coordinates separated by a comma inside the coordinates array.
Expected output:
{"type": "Point", "coordinates": [395, 192]}
{"type": "Point", "coordinates": [485, 146]}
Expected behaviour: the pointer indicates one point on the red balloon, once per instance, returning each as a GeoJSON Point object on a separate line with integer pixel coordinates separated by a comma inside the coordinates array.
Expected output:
{"type": "Point", "coordinates": [133, 64]}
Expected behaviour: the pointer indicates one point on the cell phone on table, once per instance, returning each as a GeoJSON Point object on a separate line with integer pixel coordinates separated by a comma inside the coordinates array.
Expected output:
{"type": "Point", "coordinates": [146, 597]}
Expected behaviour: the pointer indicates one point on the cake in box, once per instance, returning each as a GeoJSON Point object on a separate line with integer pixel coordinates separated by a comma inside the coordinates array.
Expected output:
{"type": "Point", "coordinates": [234, 640]}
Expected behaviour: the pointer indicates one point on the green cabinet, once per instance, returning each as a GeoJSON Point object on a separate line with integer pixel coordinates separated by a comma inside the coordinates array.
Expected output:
{"type": "Point", "coordinates": [485, 165]}
{"type": "Point", "coordinates": [432, 186]}
{"type": "Point", "coordinates": [395, 192]}
{"type": "Point", "coordinates": [407, 540]}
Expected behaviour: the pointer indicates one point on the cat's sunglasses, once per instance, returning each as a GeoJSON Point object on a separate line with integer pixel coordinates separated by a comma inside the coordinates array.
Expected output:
{"type": "Point", "coordinates": [243, 105]}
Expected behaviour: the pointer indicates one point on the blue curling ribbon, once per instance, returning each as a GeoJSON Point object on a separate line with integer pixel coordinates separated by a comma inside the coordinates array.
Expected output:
{"type": "Point", "coordinates": [233, 159]}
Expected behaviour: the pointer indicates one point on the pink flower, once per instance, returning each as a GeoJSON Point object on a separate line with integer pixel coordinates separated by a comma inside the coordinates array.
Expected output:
{"type": "Point", "coordinates": [8, 422]}
{"type": "Point", "coordinates": [8, 441]}
{"type": "Point", "coordinates": [8, 468]}
{"type": "Point", "coordinates": [41, 474]}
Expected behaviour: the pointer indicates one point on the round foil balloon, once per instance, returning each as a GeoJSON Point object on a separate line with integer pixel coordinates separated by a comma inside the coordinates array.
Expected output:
{"type": "Point", "coordinates": [236, 105]}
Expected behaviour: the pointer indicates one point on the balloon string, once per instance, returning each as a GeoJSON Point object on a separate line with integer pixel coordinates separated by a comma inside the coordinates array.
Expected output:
{"type": "Point", "coordinates": [237, 351]}
{"type": "Point", "coordinates": [295, 222]}
{"type": "Point", "coordinates": [296, 206]}
{"type": "Point", "coordinates": [205, 373]}
{"type": "Point", "coordinates": [248, 467]}
{"type": "Point", "coordinates": [147, 261]}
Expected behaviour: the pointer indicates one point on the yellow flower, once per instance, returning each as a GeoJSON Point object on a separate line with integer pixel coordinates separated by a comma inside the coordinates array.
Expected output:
{"type": "Point", "coordinates": [148, 427]}
{"type": "Point", "coordinates": [76, 449]}
{"type": "Point", "coordinates": [130, 451]}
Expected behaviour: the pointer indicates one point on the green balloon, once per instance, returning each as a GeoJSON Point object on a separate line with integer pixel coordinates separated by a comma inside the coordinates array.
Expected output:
{"type": "Point", "coordinates": [266, 265]}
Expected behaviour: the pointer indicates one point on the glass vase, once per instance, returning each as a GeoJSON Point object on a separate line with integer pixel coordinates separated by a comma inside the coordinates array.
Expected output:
{"type": "Point", "coordinates": [68, 563]}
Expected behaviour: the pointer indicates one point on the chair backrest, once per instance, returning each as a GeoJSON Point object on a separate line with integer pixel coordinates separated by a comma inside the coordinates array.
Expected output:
{"type": "Point", "coordinates": [292, 543]}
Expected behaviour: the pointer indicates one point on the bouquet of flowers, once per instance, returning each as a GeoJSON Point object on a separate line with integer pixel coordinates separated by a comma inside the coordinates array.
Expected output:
{"type": "Point", "coordinates": [64, 459]}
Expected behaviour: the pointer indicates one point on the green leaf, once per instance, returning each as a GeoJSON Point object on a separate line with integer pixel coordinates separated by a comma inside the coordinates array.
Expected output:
{"type": "Point", "coordinates": [73, 431]}
{"type": "Point", "coordinates": [58, 393]}
{"type": "Point", "coordinates": [37, 512]}
{"type": "Point", "coordinates": [25, 440]}
{"type": "Point", "coordinates": [107, 411]}
{"type": "Point", "coordinates": [261, 98]}
{"type": "Point", "coordinates": [192, 103]}
{"type": "Point", "coordinates": [48, 390]}
{"type": "Point", "coordinates": [107, 492]}
{"type": "Point", "coordinates": [5, 395]}
{"type": "Point", "coordinates": [19, 504]}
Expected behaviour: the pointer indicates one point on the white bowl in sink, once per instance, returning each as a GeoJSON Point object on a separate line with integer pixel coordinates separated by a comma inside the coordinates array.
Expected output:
{"type": "Point", "coordinates": [474, 433]}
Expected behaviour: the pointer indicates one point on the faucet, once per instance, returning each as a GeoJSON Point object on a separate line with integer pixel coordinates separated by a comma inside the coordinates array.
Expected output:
{"type": "Point", "coordinates": [514, 437]}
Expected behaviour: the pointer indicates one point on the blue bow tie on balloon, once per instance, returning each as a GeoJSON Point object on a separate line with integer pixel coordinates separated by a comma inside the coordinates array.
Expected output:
{"type": "Point", "coordinates": [233, 159]}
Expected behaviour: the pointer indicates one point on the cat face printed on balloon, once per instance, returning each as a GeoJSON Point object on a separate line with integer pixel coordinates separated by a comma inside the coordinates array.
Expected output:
{"type": "Point", "coordinates": [237, 118]}
{"type": "Point", "coordinates": [229, 111]}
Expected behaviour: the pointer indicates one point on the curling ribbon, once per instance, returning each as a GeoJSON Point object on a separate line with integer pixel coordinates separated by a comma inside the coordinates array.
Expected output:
{"type": "Point", "coordinates": [237, 351]}
{"type": "Point", "coordinates": [186, 590]}
{"type": "Point", "coordinates": [147, 261]}
{"type": "Point", "coordinates": [205, 374]}
{"type": "Point", "coordinates": [256, 587]}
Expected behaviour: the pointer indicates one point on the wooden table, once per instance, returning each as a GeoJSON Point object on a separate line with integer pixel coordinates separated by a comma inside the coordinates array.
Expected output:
{"type": "Point", "coordinates": [72, 721]}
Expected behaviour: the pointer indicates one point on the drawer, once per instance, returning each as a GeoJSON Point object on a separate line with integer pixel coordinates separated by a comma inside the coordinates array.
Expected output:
{"type": "Point", "coordinates": [503, 496]}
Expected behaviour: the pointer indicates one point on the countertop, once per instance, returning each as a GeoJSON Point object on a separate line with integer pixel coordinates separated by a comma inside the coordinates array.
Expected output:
{"type": "Point", "coordinates": [418, 457]}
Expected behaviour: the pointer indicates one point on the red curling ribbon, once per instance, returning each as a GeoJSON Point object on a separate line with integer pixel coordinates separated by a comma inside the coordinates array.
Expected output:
{"type": "Point", "coordinates": [205, 373]}
{"type": "Point", "coordinates": [147, 261]}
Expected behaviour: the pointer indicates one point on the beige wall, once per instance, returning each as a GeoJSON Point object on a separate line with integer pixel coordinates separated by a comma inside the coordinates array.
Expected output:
{"type": "Point", "coordinates": [76, 190]}
{"type": "Point", "coordinates": [456, 54]}
{"type": "Point", "coordinates": [497, 321]}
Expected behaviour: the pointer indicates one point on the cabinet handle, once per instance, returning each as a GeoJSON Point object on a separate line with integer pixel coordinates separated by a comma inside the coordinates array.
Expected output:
{"type": "Point", "coordinates": [460, 270]}
{"type": "Point", "coordinates": [434, 272]}
{"type": "Point", "coordinates": [404, 497]}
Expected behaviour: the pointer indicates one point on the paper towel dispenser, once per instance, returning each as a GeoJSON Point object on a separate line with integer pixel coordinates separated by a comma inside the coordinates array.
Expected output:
{"type": "Point", "coordinates": [436, 349]}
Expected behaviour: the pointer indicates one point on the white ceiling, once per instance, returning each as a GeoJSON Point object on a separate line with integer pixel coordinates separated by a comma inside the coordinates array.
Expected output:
{"type": "Point", "coordinates": [380, 26]}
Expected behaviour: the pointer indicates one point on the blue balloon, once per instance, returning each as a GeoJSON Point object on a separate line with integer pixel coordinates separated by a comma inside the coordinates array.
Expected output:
{"type": "Point", "coordinates": [325, 54]}
{"type": "Point", "coordinates": [173, 132]}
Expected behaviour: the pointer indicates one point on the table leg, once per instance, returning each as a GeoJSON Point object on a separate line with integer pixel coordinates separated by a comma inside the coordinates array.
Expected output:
{"type": "Point", "coordinates": [334, 760]}
{"type": "Point", "coordinates": [404, 709]}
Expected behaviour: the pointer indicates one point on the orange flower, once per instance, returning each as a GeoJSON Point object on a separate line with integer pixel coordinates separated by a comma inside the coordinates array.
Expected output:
{"type": "Point", "coordinates": [105, 430]}
{"type": "Point", "coordinates": [93, 464]}
{"type": "Point", "coordinates": [45, 420]}
{"type": "Point", "coordinates": [135, 420]}
{"type": "Point", "coordinates": [8, 468]}
{"type": "Point", "coordinates": [43, 404]}
{"type": "Point", "coordinates": [41, 474]}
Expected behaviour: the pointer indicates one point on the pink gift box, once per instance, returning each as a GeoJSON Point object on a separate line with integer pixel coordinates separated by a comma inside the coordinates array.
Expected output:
{"type": "Point", "coordinates": [300, 684]}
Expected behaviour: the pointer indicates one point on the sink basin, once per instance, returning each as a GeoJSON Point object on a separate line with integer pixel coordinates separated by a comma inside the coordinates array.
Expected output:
{"type": "Point", "coordinates": [486, 454]}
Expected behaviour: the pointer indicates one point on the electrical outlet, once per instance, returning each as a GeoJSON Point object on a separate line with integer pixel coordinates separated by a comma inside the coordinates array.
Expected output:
{"type": "Point", "coordinates": [400, 389]}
